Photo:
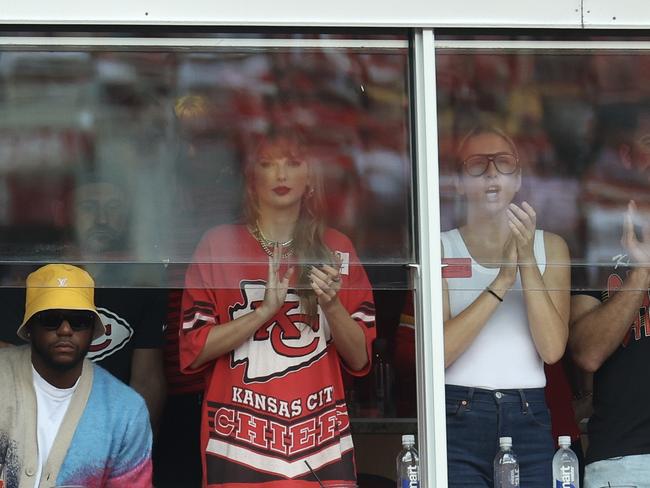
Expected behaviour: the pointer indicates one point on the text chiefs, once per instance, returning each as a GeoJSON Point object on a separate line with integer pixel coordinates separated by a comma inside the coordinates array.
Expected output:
{"type": "Point", "coordinates": [278, 437]}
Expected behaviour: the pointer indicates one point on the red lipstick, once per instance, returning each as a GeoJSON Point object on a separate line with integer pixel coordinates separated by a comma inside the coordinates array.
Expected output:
{"type": "Point", "coordinates": [281, 190]}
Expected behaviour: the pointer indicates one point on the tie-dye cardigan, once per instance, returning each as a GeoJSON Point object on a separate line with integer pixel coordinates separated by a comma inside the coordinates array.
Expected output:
{"type": "Point", "coordinates": [104, 439]}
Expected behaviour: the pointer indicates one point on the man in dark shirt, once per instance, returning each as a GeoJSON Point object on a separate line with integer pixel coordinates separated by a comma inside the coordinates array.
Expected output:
{"type": "Point", "coordinates": [610, 329]}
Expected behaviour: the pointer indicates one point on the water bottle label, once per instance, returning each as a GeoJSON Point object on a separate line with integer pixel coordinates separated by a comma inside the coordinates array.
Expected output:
{"type": "Point", "coordinates": [564, 484]}
{"type": "Point", "coordinates": [567, 477]}
{"type": "Point", "coordinates": [514, 477]}
{"type": "Point", "coordinates": [413, 480]}
{"type": "Point", "coordinates": [410, 484]}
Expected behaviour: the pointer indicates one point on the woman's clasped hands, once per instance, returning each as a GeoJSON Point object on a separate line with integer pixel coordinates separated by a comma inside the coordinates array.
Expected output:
{"type": "Point", "coordinates": [522, 222]}
{"type": "Point", "coordinates": [326, 282]}
{"type": "Point", "coordinates": [275, 292]}
{"type": "Point", "coordinates": [518, 249]}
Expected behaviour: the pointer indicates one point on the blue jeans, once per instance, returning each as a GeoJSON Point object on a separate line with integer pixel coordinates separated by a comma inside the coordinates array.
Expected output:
{"type": "Point", "coordinates": [476, 418]}
{"type": "Point", "coordinates": [624, 470]}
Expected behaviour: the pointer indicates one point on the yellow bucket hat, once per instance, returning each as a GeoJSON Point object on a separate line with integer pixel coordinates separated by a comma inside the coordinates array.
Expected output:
{"type": "Point", "coordinates": [60, 286]}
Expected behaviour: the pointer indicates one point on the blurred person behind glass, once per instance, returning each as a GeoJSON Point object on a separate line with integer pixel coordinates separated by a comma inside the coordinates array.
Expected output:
{"type": "Point", "coordinates": [506, 308]}
{"type": "Point", "coordinates": [207, 186]}
{"type": "Point", "coordinates": [273, 308]}
{"type": "Point", "coordinates": [131, 349]}
{"type": "Point", "coordinates": [610, 308]}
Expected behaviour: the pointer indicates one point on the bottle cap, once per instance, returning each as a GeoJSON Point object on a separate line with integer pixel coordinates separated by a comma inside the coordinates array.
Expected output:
{"type": "Point", "coordinates": [505, 441]}
{"type": "Point", "coordinates": [564, 440]}
{"type": "Point", "coordinates": [408, 439]}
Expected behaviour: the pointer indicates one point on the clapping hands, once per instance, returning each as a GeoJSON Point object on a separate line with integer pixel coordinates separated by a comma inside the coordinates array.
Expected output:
{"type": "Point", "coordinates": [277, 286]}
{"type": "Point", "coordinates": [522, 222]}
{"type": "Point", "coordinates": [326, 282]}
{"type": "Point", "coordinates": [638, 250]}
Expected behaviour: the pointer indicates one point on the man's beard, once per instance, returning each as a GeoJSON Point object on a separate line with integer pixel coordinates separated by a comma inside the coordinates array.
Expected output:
{"type": "Point", "coordinates": [58, 366]}
{"type": "Point", "coordinates": [102, 238]}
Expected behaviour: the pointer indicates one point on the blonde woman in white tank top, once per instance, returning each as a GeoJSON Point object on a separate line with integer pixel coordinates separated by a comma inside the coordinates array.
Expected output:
{"type": "Point", "coordinates": [506, 309]}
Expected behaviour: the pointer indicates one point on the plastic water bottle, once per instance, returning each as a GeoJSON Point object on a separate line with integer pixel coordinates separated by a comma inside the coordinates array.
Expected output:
{"type": "Point", "coordinates": [408, 464]}
{"type": "Point", "coordinates": [565, 465]}
{"type": "Point", "coordinates": [506, 465]}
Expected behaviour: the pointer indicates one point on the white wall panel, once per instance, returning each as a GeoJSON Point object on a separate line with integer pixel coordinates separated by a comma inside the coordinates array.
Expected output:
{"type": "Point", "coordinates": [498, 13]}
{"type": "Point", "coordinates": [628, 14]}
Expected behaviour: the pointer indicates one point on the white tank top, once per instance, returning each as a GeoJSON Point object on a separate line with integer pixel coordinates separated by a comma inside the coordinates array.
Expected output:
{"type": "Point", "coordinates": [503, 354]}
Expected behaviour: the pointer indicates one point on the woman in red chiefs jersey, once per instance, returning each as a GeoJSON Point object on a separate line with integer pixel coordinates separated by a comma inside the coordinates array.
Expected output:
{"type": "Point", "coordinates": [273, 308]}
{"type": "Point", "coordinates": [506, 309]}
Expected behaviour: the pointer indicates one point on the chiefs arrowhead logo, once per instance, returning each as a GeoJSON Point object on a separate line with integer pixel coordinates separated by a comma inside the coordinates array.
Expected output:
{"type": "Point", "coordinates": [284, 344]}
{"type": "Point", "coordinates": [118, 334]}
{"type": "Point", "coordinates": [284, 328]}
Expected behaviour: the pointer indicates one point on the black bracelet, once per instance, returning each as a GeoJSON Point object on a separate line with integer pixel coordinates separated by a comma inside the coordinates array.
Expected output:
{"type": "Point", "coordinates": [487, 288]}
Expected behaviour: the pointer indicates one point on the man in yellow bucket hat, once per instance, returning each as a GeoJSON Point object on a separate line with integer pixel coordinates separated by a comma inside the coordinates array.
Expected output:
{"type": "Point", "coordinates": [66, 421]}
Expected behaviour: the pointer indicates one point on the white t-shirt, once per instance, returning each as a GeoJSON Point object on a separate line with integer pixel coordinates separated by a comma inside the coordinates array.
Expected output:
{"type": "Point", "coordinates": [503, 354]}
{"type": "Point", "coordinates": [51, 406]}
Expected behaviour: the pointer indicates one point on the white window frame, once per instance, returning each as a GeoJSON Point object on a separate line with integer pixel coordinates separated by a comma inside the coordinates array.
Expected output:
{"type": "Point", "coordinates": [428, 283]}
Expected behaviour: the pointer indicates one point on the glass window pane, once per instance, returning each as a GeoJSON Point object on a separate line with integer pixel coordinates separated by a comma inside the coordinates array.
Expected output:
{"type": "Point", "coordinates": [194, 176]}
{"type": "Point", "coordinates": [544, 190]}
{"type": "Point", "coordinates": [119, 155]}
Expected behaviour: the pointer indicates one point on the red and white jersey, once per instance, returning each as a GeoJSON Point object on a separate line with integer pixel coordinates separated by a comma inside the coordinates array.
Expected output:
{"type": "Point", "coordinates": [275, 405]}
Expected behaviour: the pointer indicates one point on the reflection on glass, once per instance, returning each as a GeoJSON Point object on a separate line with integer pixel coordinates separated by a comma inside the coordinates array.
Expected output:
{"type": "Point", "coordinates": [273, 307]}
{"type": "Point", "coordinates": [101, 211]}
{"type": "Point", "coordinates": [581, 122]}
{"type": "Point", "coordinates": [173, 130]}
{"type": "Point", "coordinates": [505, 313]}
{"type": "Point", "coordinates": [571, 115]}
{"type": "Point", "coordinates": [121, 160]}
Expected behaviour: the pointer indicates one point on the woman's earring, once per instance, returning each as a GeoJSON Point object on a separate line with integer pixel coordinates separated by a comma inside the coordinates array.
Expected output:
{"type": "Point", "coordinates": [310, 193]}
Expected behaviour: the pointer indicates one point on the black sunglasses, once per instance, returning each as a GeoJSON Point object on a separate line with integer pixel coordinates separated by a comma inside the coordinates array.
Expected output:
{"type": "Point", "coordinates": [478, 164]}
{"type": "Point", "coordinates": [78, 319]}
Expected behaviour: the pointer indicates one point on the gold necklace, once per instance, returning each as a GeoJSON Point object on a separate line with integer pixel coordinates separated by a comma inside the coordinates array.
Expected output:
{"type": "Point", "coordinates": [271, 241]}
{"type": "Point", "coordinates": [269, 245]}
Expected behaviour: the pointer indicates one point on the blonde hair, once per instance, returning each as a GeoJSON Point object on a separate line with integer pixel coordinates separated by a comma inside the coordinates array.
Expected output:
{"type": "Point", "coordinates": [190, 107]}
{"type": "Point", "coordinates": [480, 130]}
{"type": "Point", "coordinates": [308, 239]}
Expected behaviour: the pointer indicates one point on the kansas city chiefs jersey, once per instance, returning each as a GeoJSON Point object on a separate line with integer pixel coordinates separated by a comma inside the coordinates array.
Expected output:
{"type": "Point", "coordinates": [274, 406]}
